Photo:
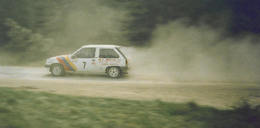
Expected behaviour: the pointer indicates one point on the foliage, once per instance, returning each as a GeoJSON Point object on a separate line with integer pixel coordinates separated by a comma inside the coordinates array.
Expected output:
{"type": "Point", "coordinates": [67, 21]}
{"type": "Point", "coordinates": [236, 17]}
{"type": "Point", "coordinates": [24, 43]}
{"type": "Point", "coordinates": [23, 109]}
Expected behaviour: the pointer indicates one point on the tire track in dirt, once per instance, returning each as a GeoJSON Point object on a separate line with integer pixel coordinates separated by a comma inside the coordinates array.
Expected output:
{"type": "Point", "coordinates": [139, 87]}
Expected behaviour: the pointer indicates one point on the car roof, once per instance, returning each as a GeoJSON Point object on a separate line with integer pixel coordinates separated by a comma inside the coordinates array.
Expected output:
{"type": "Point", "coordinates": [101, 46]}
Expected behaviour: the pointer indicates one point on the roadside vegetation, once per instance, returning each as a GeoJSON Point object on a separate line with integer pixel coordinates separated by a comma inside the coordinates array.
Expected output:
{"type": "Point", "coordinates": [25, 109]}
{"type": "Point", "coordinates": [32, 30]}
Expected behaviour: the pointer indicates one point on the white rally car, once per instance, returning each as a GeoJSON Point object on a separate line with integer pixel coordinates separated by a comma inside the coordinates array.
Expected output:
{"type": "Point", "coordinates": [90, 58]}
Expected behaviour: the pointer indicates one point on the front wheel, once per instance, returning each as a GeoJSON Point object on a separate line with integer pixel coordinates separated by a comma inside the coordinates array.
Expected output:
{"type": "Point", "coordinates": [114, 72]}
{"type": "Point", "coordinates": [57, 70]}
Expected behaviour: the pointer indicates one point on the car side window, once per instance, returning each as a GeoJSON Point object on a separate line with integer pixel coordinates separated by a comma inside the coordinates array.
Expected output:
{"type": "Point", "coordinates": [108, 53]}
{"type": "Point", "coordinates": [86, 53]}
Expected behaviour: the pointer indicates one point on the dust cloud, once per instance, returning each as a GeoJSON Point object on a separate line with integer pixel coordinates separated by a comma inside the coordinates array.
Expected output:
{"type": "Point", "coordinates": [177, 51]}
{"type": "Point", "coordinates": [89, 22]}
{"type": "Point", "coordinates": [196, 53]}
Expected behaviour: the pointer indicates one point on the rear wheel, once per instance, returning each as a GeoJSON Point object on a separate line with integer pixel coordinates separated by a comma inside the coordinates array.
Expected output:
{"type": "Point", "coordinates": [114, 72]}
{"type": "Point", "coordinates": [57, 70]}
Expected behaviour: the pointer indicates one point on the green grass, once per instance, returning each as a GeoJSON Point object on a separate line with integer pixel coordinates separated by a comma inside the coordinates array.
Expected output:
{"type": "Point", "coordinates": [25, 109]}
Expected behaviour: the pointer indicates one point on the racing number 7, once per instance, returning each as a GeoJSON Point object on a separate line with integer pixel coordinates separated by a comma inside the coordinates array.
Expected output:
{"type": "Point", "coordinates": [84, 63]}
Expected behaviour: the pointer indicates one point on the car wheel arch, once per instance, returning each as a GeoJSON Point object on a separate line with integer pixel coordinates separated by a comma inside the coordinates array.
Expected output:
{"type": "Point", "coordinates": [56, 64]}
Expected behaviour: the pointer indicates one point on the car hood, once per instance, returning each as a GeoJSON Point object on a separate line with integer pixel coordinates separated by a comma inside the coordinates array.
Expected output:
{"type": "Point", "coordinates": [54, 57]}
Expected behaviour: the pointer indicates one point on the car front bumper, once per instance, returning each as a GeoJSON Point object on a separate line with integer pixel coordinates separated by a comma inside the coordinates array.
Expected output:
{"type": "Point", "coordinates": [47, 65]}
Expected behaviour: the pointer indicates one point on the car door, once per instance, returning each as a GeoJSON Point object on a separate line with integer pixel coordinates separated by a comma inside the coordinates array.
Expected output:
{"type": "Point", "coordinates": [85, 59]}
{"type": "Point", "coordinates": [107, 57]}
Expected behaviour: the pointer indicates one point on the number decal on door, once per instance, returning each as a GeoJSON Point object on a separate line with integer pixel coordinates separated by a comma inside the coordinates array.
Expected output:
{"type": "Point", "coordinates": [84, 63]}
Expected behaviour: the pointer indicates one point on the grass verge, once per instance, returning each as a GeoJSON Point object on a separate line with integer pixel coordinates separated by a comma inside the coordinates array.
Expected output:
{"type": "Point", "coordinates": [24, 109]}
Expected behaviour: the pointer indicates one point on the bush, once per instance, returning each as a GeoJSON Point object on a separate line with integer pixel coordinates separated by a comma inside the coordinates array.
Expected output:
{"type": "Point", "coordinates": [24, 43]}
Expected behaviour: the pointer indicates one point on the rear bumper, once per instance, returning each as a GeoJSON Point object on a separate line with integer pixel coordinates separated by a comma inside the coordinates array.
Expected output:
{"type": "Point", "coordinates": [124, 70]}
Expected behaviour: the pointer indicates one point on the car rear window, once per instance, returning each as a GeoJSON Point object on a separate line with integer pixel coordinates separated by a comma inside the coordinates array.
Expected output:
{"type": "Point", "coordinates": [121, 52]}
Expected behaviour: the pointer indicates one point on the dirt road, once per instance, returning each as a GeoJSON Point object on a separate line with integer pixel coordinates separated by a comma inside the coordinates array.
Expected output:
{"type": "Point", "coordinates": [132, 87]}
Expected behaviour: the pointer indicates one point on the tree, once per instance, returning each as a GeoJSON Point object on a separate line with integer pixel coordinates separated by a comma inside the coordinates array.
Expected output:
{"type": "Point", "coordinates": [25, 44]}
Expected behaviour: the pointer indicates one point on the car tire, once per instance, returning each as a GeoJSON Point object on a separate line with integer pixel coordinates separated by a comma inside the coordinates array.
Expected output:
{"type": "Point", "coordinates": [57, 70]}
{"type": "Point", "coordinates": [114, 72]}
